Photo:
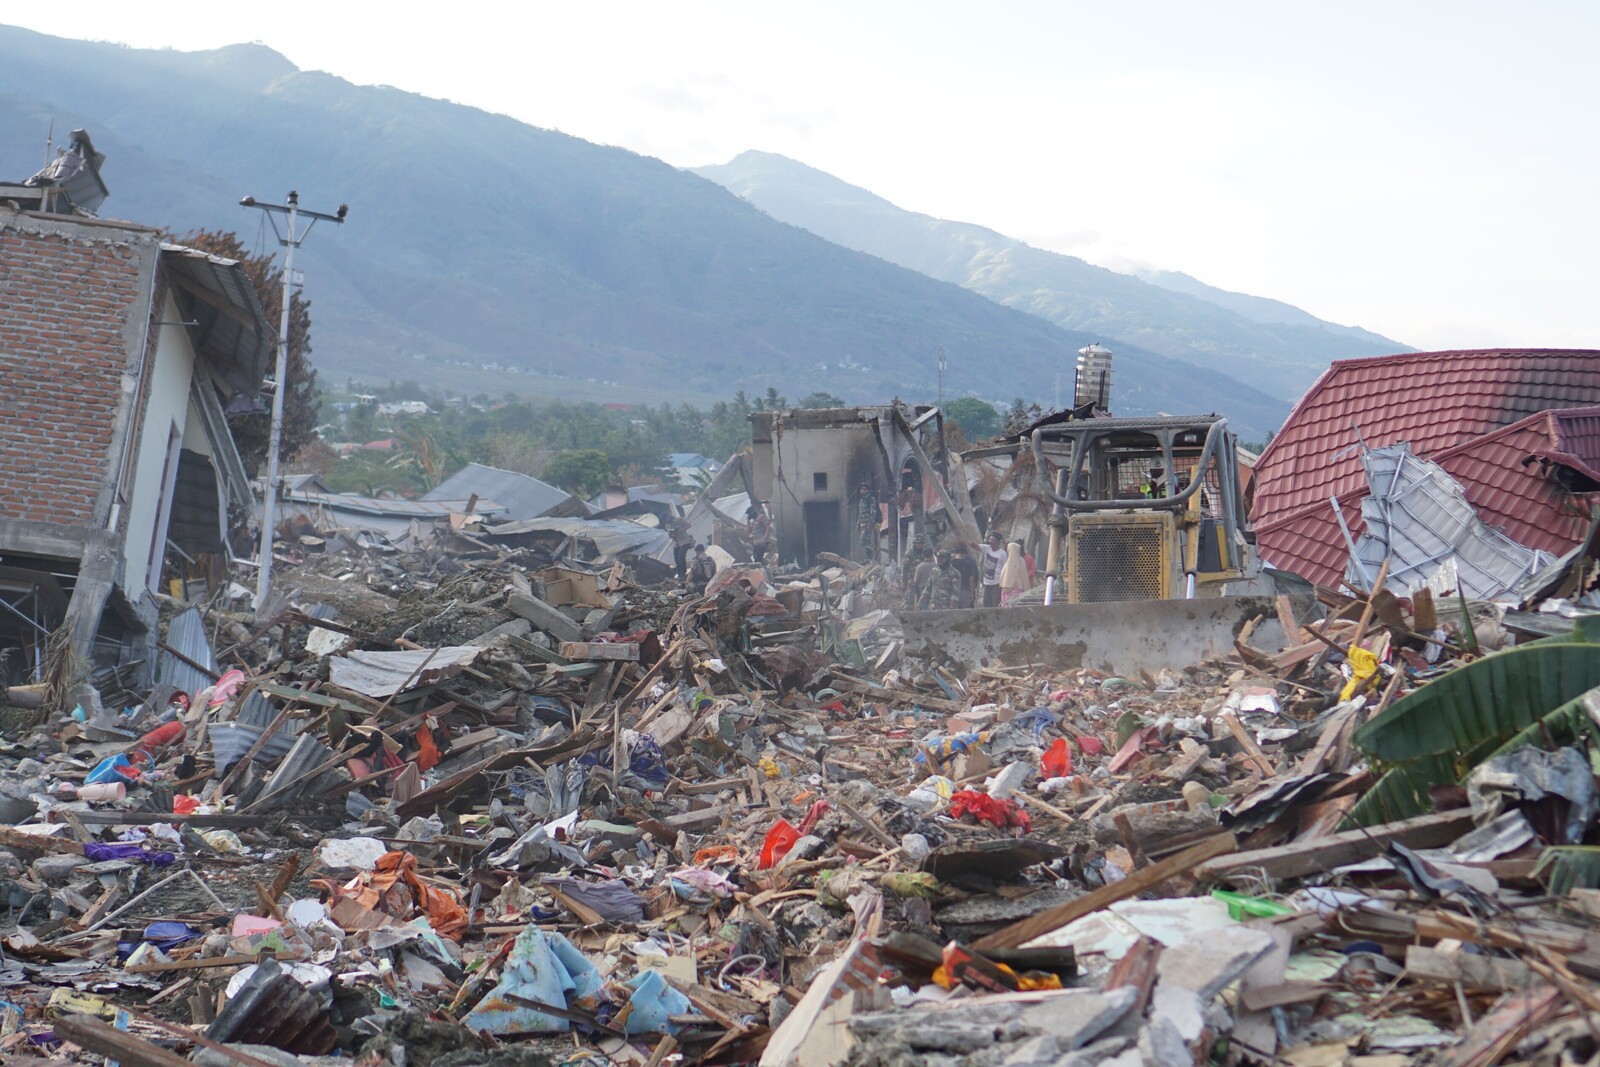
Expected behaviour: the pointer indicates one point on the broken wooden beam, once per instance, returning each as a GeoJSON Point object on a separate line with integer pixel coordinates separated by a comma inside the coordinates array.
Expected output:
{"type": "Point", "coordinates": [1472, 970]}
{"type": "Point", "coordinates": [1184, 862]}
{"type": "Point", "coordinates": [237, 822]}
{"type": "Point", "coordinates": [92, 1035]}
{"type": "Point", "coordinates": [205, 962]}
{"type": "Point", "coordinates": [1322, 854]}
{"type": "Point", "coordinates": [25, 842]}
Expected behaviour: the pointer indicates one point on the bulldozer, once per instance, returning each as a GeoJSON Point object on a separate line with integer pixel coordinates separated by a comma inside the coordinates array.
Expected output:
{"type": "Point", "coordinates": [1146, 531]}
{"type": "Point", "coordinates": [1141, 508]}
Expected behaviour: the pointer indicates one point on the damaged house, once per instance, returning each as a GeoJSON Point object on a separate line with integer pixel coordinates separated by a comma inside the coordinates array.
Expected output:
{"type": "Point", "coordinates": [120, 355]}
{"type": "Point", "coordinates": [807, 463]}
{"type": "Point", "coordinates": [1517, 430]}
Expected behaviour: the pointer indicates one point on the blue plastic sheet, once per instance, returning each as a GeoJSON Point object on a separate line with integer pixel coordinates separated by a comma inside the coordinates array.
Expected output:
{"type": "Point", "coordinates": [653, 1002]}
{"type": "Point", "coordinates": [544, 967]}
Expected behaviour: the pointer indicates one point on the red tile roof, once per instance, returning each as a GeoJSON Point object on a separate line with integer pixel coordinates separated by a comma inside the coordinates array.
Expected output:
{"type": "Point", "coordinates": [1480, 415]}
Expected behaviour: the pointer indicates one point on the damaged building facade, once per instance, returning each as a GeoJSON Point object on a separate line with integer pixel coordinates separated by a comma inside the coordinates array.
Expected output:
{"type": "Point", "coordinates": [120, 355]}
{"type": "Point", "coordinates": [808, 462]}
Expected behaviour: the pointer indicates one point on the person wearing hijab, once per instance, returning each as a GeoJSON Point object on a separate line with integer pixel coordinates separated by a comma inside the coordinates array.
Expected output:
{"type": "Point", "coordinates": [1013, 575]}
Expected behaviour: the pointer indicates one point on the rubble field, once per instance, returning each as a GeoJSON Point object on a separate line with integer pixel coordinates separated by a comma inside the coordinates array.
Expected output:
{"type": "Point", "coordinates": [464, 806]}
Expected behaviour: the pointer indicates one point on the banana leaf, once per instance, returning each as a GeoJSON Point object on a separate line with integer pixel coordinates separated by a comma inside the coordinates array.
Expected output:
{"type": "Point", "coordinates": [1439, 733]}
{"type": "Point", "coordinates": [1487, 700]}
{"type": "Point", "coordinates": [1576, 720]}
{"type": "Point", "coordinates": [1569, 867]}
{"type": "Point", "coordinates": [1402, 792]}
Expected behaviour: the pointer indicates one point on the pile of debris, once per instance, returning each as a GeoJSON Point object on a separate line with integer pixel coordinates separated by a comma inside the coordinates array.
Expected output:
{"type": "Point", "coordinates": [488, 804]}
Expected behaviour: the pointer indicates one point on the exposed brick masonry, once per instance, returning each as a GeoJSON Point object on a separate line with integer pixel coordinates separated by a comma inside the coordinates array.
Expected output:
{"type": "Point", "coordinates": [64, 303]}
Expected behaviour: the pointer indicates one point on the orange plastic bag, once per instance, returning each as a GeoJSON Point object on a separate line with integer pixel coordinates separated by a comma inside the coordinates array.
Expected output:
{"type": "Point", "coordinates": [427, 751]}
{"type": "Point", "coordinates": [1057, 762]}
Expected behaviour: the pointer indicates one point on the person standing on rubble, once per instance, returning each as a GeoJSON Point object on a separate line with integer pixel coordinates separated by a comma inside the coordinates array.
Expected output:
{"type": "Point", "coordinates": [919, 566]}
{"type": "Point", "coordinates": [868, 518]}
{"type": "Point", "coordinates": [758, 532]}
{"type": "Point", "coordinates": [944, 585]}
{"type": "Point", "coordinates": [701, 571]}
{"type": "Point", "coordinates": [962, 562]}
{"type": "Point", "coordinates": [682, 541]}
{"type": "Point", "coordinates": [994, 557]}
{"type": "Point", "coordinates": [1013, 576]}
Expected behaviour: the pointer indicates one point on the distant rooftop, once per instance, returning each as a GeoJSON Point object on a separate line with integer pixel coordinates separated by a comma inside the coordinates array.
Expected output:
{"type": "Point", "coordinates": [524, 496]}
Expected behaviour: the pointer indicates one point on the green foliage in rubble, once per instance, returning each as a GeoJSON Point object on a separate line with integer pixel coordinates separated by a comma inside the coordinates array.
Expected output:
{"type": "Point", "coordinates": [1536, 694]}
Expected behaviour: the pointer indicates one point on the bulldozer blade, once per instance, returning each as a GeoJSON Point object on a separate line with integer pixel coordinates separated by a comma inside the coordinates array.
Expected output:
{"type": "Point", "coordinates": [1120, 637]}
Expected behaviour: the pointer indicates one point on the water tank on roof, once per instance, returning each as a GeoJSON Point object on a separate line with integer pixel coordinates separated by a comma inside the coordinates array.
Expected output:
{"type": "Point", "coordinates": [1093, 385]}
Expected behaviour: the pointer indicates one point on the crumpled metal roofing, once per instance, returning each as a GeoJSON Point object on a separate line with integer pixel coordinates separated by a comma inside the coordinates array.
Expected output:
{"type": "Point", "coordinates": [1418, 518]}
{"type": "Point", "coordinates": [523, 496]}
{"type": "Point", "coordinates": [186, 634]}
{"type": "Point", "coordinates": [382, 674]}
{"type": "Point", "coordinates": [611, 537]}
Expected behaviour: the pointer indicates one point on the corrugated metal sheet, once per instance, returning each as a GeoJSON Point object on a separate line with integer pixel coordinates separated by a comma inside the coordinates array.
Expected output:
{"type": "Point", "coordinates": [187, 634]}
{"type": "Point", "coordinates": [611, 537]}
{"type": "Point", "coordinates": [523, 496]}
{"type": "Point", "coordinates": [1418, 518]}
{"type": "Point", "coordinates": [382, 674]}
{"type": "Point", "coordinates": [274, 1009]}
{"type": "Point", "coordinates": [305, 755]}
{"type": "Point", "coordinates": [231, 740]}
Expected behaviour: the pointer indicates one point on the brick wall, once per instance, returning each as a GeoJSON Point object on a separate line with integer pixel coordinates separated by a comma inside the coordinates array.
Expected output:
{"type": "Point", "coordinates": [66, 294]}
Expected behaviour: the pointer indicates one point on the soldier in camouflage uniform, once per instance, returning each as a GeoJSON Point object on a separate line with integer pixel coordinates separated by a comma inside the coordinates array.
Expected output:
{"type": "Point", "coordinates": [944, 585]}
{"type": "Point", "coordinates": [867, 520]}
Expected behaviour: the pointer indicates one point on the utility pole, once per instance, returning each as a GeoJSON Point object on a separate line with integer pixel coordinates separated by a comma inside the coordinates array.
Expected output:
{"type": "Point", "coordinates": [941, 377]}
{"type": "Point", "coordinates": [290, 208]}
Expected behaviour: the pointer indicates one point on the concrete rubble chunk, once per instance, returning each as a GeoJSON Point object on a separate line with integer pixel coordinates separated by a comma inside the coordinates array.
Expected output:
{"type": "Point", "coordinates": [552, 620]}
{"type": "Point", "coordinates": [1041, 1051]}
{"type": "Point", "coordinates": [1181, 1007]}
{"type": "Point", "coordinates": [1078, 1018]}
{"type": "Point", "coordinates": [1208, 965]}
{"type": "Point", "coordinates": [1161, 1045]}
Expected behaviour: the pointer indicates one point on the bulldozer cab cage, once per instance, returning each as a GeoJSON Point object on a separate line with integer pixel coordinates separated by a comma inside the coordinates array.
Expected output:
{"type": "Point", "coordinates": [1141, 508]}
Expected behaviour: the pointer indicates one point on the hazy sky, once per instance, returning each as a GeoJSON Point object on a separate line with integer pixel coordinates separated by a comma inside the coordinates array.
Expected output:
{"type": "Point", "coordinates": [1423, 169]}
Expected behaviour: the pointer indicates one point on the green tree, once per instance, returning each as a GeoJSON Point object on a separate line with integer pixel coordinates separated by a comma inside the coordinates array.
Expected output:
{"type": "Point", "coordinates": [978, 419]}
{"type": "Point", "coordinates": [361, 424]}
{"type": "Point", "coordinates": [821, 400]}
{"type": "Point", "coordinates": [584, 471]}
{"type": "Point", "coordinates": [301, 400]}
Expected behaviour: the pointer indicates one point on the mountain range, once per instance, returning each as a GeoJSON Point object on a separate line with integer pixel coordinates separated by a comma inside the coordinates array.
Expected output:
{"type": "Point", "coordinates": [483, 254]}
{"type": "Point", "coordinates": [1274, 345]}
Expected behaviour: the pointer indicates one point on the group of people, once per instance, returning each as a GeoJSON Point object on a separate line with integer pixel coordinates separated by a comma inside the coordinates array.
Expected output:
{"type": "Point", "coordinates": [697, 571]}
{"type": "Point", "coordinates": [951, 578]}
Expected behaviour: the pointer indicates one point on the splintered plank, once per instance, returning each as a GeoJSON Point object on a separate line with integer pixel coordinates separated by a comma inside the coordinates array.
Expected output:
{"type": "Point", "coordinates": [1300, 858]}
{"type": "Point", "coordinates": [1139, 881]}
